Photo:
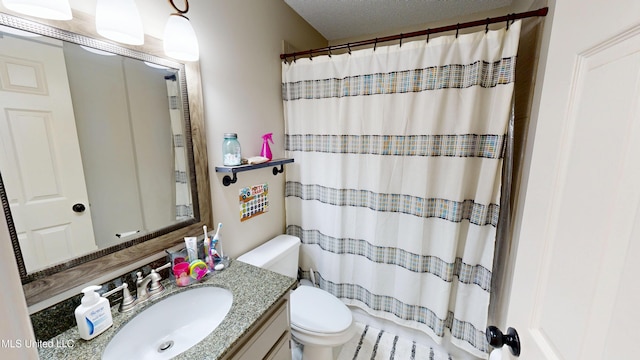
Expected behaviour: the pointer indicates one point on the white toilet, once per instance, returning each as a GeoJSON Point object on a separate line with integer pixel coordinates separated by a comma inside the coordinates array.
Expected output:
{"type": "Point", "coordinates": [319, 320]}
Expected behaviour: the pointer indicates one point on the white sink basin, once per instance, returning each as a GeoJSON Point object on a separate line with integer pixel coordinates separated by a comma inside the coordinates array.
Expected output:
{"type": "Point", "coordinates": [171, 325]}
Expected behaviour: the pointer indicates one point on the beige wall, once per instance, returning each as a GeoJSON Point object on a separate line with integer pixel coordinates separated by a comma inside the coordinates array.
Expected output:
{"type": "Point", "coordinates": [241, 86]}
{"type": "Point", "coordinates": [240, 43]}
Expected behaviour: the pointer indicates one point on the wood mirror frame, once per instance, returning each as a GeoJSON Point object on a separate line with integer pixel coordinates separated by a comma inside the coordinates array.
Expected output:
{"type": "Point", "coordinates": [96, 266]}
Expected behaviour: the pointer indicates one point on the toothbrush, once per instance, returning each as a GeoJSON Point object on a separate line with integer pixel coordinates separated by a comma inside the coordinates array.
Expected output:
{"type": "Point", "coordinates": [207, 246]}
{"type": "Point", "coordinates": [216, 238]}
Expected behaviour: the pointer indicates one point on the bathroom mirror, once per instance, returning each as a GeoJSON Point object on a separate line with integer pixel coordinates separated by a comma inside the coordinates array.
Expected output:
{"type": "Point", "coordinates": [102, 152]}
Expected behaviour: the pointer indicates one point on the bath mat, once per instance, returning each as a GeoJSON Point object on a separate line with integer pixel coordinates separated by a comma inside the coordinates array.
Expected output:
{"type": "Point", "coordinates": [374, 344]}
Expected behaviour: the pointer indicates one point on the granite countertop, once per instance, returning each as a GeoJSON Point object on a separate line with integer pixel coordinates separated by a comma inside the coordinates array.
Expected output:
{"type": "Point", "coordinates": [254, 290]}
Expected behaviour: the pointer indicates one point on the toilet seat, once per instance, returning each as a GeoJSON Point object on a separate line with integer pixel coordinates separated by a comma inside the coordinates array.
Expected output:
{"type": "Point", "coordinates": [315, 311]}
{"type": "Point", "coordinates": [308, 338]}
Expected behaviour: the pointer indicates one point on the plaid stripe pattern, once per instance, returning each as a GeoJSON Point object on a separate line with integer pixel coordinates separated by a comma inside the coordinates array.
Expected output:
{"type": "Point", "coordinates": [181, 177]}
{"type": "Point", "coordinates": [450, 210]}
{"type": "Point", "coordinates": [183, 211]}
{"type": "Point", "coordinates": [468, 145]}
{"type": "Point", "coordinates": [459, 329]}
{"type": "Point", "coordinates": [178, 140]}
{"type": "Point", "coordinates": [465, 273]}
{"type": "Point", "coordinates": [173, 102]}
{"type": "Point", "coordinates": [451, 76]}
{"type": "Point", "coordinates": [458, 132]}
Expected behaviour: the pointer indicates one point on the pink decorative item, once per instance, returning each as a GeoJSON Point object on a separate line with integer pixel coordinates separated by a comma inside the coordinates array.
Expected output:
{"type": "Point", "coordinates": [197, 269]}
{"type": "Point", "coordinates": [181, 272]}
{"type": "Point", "coordinates": [266, 150]}
{"type": "Point", "coordinates": [181, 268]}
{"type": "Point", "coordinates": [183, 280]}
{"type": "Point", "coordinates": [200, 273]}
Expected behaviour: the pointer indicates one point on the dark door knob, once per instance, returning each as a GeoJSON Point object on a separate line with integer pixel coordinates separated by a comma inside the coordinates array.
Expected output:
{"type": "Point", "coordinates": [78, 208]}
{"type": "Point", "coordinates": [497, 339]}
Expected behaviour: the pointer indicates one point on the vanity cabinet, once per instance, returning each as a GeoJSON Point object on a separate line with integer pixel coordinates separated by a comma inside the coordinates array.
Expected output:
{"type": "Point", "coordinates": [256, 327]}
{"type": "Point", "coordinates": [269, 338]}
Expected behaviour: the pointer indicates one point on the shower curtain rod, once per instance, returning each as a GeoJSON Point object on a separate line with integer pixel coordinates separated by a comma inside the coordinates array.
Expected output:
{"type": "Point", "coordinates": [510, 17]}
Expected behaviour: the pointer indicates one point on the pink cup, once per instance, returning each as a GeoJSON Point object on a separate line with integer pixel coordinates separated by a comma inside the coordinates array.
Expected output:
{"type": "Point", "coordinates": [181, 271]}
{"type": "Point", "coordinates": [181, 268]}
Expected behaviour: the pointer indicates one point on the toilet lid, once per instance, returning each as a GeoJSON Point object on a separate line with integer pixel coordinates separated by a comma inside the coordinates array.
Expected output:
{"type": "Point", "coordinates": [316, 310]}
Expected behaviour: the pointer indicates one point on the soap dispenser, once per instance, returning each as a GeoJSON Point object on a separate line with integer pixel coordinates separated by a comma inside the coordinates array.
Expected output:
{"type": "Point", "coordinates": [94, 313]}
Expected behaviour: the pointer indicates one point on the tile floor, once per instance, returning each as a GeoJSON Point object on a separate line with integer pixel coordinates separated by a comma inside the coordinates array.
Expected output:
{"type": "Point", "coordinates": [371, 343]}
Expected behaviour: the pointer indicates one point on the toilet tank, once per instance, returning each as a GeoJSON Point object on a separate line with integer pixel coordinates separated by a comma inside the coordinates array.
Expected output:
{"type": "Point", "coordinates": [279, 254]}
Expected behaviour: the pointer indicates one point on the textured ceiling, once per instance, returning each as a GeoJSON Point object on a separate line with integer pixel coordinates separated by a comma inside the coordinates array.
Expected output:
{"type": "Point", "coordinates": [340, 19]}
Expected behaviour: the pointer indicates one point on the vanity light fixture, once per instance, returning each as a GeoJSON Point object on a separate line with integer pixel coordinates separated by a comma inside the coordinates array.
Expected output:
{"type": "Point", "coordinates": [119, 20]}
{"type": "Point", "coordinates": [47, 9]}
{"type": "Point", "coordinates": [180, 41]}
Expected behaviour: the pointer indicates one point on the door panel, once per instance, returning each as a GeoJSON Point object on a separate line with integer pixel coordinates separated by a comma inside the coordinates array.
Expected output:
{"type": "Point", "coordinates": [579, 208]}
{"type": "Point", "coordinates": [40, 155]}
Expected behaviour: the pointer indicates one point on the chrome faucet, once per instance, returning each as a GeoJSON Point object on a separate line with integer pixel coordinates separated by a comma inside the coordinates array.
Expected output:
{"type": "Point", "coordinates": [128, 301]}
{"type": "Point", "coordinates": [142, 293]}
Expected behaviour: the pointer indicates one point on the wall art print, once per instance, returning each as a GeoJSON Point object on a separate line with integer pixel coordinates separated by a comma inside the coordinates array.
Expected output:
{"type": "Point", "coordinates": [254, 201]}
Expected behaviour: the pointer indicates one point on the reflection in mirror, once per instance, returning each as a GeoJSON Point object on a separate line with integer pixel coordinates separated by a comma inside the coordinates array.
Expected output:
{"type": "Point", "coordinates": [95, 147]}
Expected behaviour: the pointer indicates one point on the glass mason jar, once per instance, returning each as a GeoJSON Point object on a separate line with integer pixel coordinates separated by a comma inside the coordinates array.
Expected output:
{"type": "Point", "coordinates": [231, 154]}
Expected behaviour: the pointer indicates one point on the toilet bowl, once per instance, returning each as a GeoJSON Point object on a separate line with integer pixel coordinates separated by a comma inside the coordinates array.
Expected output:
{"type": "Point", "coordinates": [319, 321]}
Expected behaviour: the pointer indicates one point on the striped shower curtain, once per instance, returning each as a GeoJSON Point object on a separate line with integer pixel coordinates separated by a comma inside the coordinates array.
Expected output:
{"type": "Point", "coordinates": [184, 204]}
{"type": "Point", "coordinates": [396, 186]}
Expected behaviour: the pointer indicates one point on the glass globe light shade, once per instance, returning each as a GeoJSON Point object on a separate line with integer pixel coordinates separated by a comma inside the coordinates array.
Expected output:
{"type": "Point", "coordinates": [119, 20]}
{"type": "Point", "coordinates": [180, 41]}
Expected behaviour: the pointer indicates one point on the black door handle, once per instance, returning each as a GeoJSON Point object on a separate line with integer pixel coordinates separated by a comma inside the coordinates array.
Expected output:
{"type": "Point", "coordinates": [497, 339]}
{"type": "Point", "coordinates": [78, 208]}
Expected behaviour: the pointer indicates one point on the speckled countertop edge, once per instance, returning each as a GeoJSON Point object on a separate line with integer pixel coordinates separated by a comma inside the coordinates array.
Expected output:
{"type": "Point", "coordinates": [254, 291]}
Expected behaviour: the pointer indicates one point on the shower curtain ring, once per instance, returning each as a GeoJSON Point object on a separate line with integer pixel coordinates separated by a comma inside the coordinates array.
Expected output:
{"type": "Point", "coordinates": [486, 27]}
{"type": "Point", "coordinates": [329, 50]}
{"type": "Point", "coordinates": [401, 39]}
{"type": "Point", "coordinates": [349, 48]}
{"type": "Point", "coordinates": [375, 45]}
{"type": "Point", "coordinates": [428, 34]}
{"type": "Point", "coordinates": [457, 29]}
{"type": "Point", "coordinates": [508, 18]}
{"type": "Point", "coordinates": [310, 52]}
